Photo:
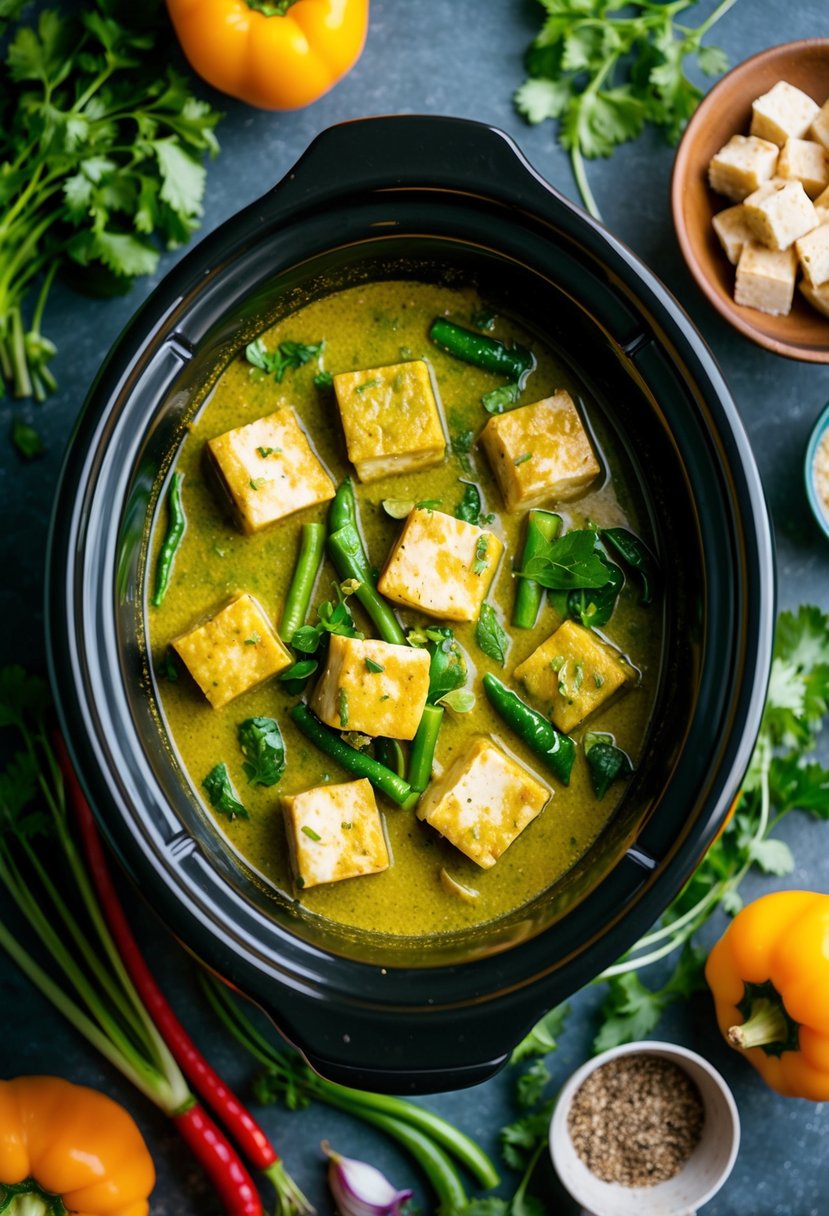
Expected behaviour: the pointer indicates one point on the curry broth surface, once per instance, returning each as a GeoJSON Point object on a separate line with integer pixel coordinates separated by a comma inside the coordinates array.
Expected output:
{"type": "Point", "coordinates": [363, 327]}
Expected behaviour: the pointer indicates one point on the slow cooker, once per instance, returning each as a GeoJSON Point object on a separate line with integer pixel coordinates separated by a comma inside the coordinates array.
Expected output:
{"type": "Point", "coordinates": [453, 201]}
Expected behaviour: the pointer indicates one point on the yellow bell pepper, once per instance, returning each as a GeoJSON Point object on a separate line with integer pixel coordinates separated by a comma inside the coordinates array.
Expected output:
{"type": "Point", "coordinates": [278, 56]}
{"type": "Point", "coordinates": [59, 1140]}
{"type": "Point", "coordinates": [769, 974]}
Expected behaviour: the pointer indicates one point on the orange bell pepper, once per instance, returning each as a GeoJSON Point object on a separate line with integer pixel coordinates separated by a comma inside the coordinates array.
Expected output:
{"type": "Point", "coordinates": [278, 56]}
{"type": "Point", "coordinates": [67, 1142]}
{"type": "Point", "coordinates": [769, 974]}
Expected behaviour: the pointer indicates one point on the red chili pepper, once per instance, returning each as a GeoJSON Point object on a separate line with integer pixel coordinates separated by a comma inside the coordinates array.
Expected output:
{"type": "Point", "coordinates": [247, 1133]}
{"type": "Point", "coordinates": [212, 1149]}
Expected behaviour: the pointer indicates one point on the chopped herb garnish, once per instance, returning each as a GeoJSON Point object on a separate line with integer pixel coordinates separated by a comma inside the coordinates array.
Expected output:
{"type": "Point", "coordinates": [523, 459]}
{"type": "Point", "coordinates": [299, 671]}
{"type": "Point", "coordinates": [372, 666]}
{"type": "Point", "coordinates": [222, 796]}
{"type": "Point", "coordinates": [361, 388]}
{"type": "Point", "coordinates": [256, 483]}
{"type": "Point", "coordinates": [253, 640]}
{"type": "Point", "coordinates": [168, 668]}
{"type": "Point", "coordinates": [323, 380]}
{"type": "Point", "coordinates": [342, 707]}
{"type": "Point", "coordinates": [261, 742]}
{"type": "Point", "coordinates": [578, 676]}
{"type": "Point", "coordinates": [26, 439]}
{"type": "Point", "coordinates": [265, 452]}
{"type": "Point", "coordinates": [598, 679]}
{"type": "Point", "coordinates": [499, 399]}
{"type": "Point", "coordinates": [385, 696]}
{"type": "Point", "coordinates": [346, 825]}
{"type": "Point", "coordinates": [469, 507]}
{"type": "Point", "coordinates": [484, 319]}
{"type": "Point", "coordinates": [287, 355]}
{"type": "Point", "coordinates": [557, 663]}
{"type": "Point", "coordinates": [460, 444]}
{"type": "Point", "coordinates": [310, 833]}
{"type": "Point", "coordinates": [480, 563]}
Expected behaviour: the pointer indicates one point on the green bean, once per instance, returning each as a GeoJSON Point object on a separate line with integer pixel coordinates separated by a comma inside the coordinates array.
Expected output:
{"type": "Point", "coordinates": [515, 362]}
{"type": "Point", "coordinates": [301, 589]}
{"type": "Point", "coordinates": [343, 509]}
{"type": "Point", "coordinates": [556, 750]}
{"type": "Point", "coordinates": [423, 747]}
{"type": "Point", "coordinates": [542, 527]}
{"type": "Point", "coordinates": [349, 557]}
{"type": "Point", "coordinates": [169, 546]}
{"type": "Point", "coordinates": [350, 758]}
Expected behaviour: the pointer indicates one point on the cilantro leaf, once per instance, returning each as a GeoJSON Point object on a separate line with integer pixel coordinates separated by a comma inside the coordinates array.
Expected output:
{"type": "Point", "coordinates": [542, 1037]}
{"type": "Point", "coordinates": [532, 1083]}
{"type": "Point", "coordinates": [631, 1010]}
{"type": "Point", "coordinates": [264, 750]}
{"type": "Point", "coordinates": [26, 439]}
{"type": "Point", "coordinates": [287, 355]}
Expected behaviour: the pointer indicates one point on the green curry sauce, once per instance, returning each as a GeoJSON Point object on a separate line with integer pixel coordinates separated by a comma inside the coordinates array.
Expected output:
{"type": "Point", "coordinates": [363, 327]}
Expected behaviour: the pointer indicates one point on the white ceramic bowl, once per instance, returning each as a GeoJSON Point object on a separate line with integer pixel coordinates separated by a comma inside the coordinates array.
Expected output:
{"type": "Point", "coordinates": [699, 1179]}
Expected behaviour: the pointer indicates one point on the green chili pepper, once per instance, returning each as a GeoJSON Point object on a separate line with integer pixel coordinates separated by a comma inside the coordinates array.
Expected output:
{"type": "Point", "coordinates": [350, 758]}
{"type": "Point", "coordinates": [307, 567]}
{"type": "Point", "coordinates": [556, 750]}
{"type": "Point", "coordinates": [515, 362]}
{"type": "Point", "coordinates": [343, 509]}
{"type": "Point", "coordinates": [169, 546]}
{"type": "Point", "coordinates": [423, 747]}
{"type": "Point", "coordinates": [349, 557]}
{"type": "Point", "coordinates": [542, 528]}
{"type": "Point", "coordinates": [637, 555]}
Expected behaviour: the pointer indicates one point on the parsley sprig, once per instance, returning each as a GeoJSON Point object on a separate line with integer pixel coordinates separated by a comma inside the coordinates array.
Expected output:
{"type": "Point", "coordinates": [101, 154]}
{"type": "Point", "coordinates": [603, 68]}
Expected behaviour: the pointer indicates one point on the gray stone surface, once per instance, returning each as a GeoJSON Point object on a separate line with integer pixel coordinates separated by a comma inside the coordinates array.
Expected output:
{"type": "Point", "coordinates": [464, 59]}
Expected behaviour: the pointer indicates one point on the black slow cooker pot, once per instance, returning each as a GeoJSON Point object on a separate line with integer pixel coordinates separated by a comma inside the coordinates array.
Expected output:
{"type": "Point", "coordinates": [453, 201]}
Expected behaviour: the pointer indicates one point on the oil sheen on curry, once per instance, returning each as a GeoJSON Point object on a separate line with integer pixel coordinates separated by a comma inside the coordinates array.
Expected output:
{"type": "Point", "coordinates": [407, 642]}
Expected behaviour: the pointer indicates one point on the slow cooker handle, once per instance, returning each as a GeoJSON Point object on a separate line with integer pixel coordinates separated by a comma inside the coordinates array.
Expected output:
{"type": "Point", "coordinates": [408, 151]}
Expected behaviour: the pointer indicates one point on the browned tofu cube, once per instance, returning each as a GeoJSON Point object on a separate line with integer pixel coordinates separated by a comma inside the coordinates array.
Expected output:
{"type": "Point", "coordinates": [765, 279]}
{"type": "Point", "coordinates": [540, 452]}
{"type": "Point", "coordinates": [813, 253]}
{"type": "Point", "coordinates": [573, 674]}
{"type": "Point", "coordinates": [441, 566]}
{"type": "Point", "coordinates": [742, 165]}
{"type": "Point", "coordinates": [268, 470]}
{"type": "Point", "coordinates": [334, 832]}
{"type": "Point", "coordinates": [778, 213]}
{"type": "Point", "coordinates": [805, 161]}
{"type": "Point", "coordinates": [233, 651]}
{"type": "Point", "coordinates": [376, 688]}
{"type": "Point", "coordinates": [483, 802]}
{"type": "Point", "coordinates": [783, 112]}
{"type": "Point", "coordinates": [390, 418]}
{"type": "Point", "coordinates": [732, 231]}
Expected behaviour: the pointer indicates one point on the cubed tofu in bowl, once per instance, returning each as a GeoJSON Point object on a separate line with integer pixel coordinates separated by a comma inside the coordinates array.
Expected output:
{"type": "Point", "coordinates": [742, 165]}
{"type": "Point", "coordinates": [268, 470]}
{"type": "Point", "coordinates": [483, 802]}
{"type": "Point", "coordinates": [334, 832]}
{"type": "Point", "coordinates": [376, 688]}
{"type": "Point", "coordinates": [391, 419]}
{"type": "Point", "coordinates": [540, 452]}
{"type": "Point", "coordinates": [441, 566]}
{"type": "Point", "coordinates": [784, 112]}
{"type": "Point", "coordinates": [233, 651]}
{"type": "Point", "coordinates": [573, 674]}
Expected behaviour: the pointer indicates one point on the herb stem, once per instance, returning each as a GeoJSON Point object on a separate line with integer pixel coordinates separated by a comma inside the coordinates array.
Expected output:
{"type": "Point", "coordinates": [720, 11]}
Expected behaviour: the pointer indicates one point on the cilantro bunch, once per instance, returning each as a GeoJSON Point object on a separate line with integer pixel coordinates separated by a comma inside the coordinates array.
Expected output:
{"type": "Point", "coordinates": [101, 151]}
{"type": "Point", "coordinates": [604, 68]}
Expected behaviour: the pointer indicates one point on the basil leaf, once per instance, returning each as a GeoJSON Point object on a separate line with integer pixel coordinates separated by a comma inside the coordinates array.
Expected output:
{"type": "Point", "coordinates": [461, 700]}
{"type": "Point", "coordinates": [447, 671]}
{"type": "Point", "coordinates": [570, 563]}
{"type": "Point", "coordinates": [491, 636]}
{"type": "Point", "coordinates": [606, 761]}
{"type": "Point", "coordinates": [594, 607]}
{"type": "Point", "coordinates": [299, 671]}
{"type": "Point", "coordinates": [221, 793]}
{"type": "Point", "coordinates": [264, 750]}
{"type": "Point", "coordinates": [635, 553]}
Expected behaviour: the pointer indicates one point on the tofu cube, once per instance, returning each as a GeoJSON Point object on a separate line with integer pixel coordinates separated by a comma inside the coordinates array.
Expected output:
{"type": "Point", "coordinates": [804, 160]}
{"type": "Point", "coordinates": [573, 673]}
{"type": "Point", "coordinates": [820, 126]}
{"type": "Point", "coordinates": [733, 231]}
{"type": "Point", "coordinates": [742, 165]}
{"type": "Point", "coordinates": [232, 652]}
{"type": "Point", "coordinates": [372, 687]}
{"type": "Point", "coordinates": [268, 470]}
{"type": "Point", "coordinates": [483, 802]}
{"type": "Point", "coordinates": [540, 451]}
{"type": "Point", "coordinates": [765, 279]}
{"type": "Point", "coordinates": [391, 419]}
{"type": "Point", "coordinates": [813, 253]}
{"type": "Point", "coordinates": [779, 212]}
{"type": "Point", "coordinates": [783, 113]}
{"type": "Point", "coordinates": [334, 832]}
{"type": "Point", "coordinates": [441, 566]}
{"type": "Point", "coordinates": [818, 296]}
{"type": "Point", "coordinates": [822, 201]}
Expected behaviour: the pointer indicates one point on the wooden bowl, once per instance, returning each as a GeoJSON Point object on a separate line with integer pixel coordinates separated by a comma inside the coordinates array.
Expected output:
{"type": "Point", "coordinates": [723, 112]}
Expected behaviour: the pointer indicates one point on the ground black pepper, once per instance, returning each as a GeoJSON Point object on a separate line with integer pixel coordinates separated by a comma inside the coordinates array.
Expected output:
{"type": "Point", "coordinates": [636, 1120]}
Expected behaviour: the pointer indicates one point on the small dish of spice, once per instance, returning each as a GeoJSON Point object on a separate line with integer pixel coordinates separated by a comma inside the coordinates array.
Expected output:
{"type": "Point", "coordinates": [816, 471]}
{"type": "Point", "coordinates": [648, 1129]}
